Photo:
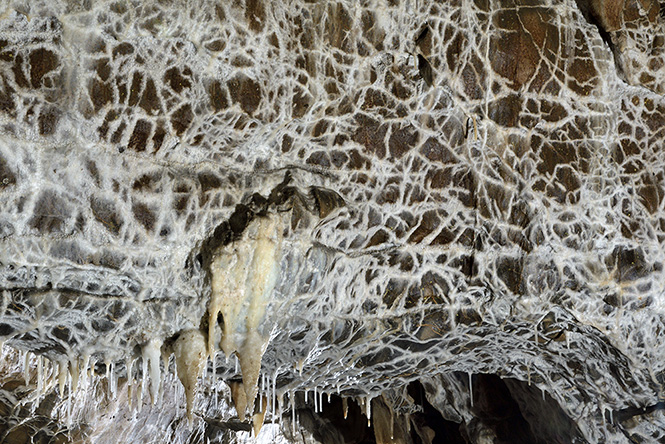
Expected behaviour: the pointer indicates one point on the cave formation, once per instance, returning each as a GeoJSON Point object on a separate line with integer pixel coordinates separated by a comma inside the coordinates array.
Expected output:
{"type": "Point", "coordinates": [377, 221]}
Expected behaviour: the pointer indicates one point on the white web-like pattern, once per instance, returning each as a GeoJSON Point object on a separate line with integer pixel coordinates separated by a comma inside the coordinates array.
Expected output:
{"type": "Point", "coordinates": [468, 188]}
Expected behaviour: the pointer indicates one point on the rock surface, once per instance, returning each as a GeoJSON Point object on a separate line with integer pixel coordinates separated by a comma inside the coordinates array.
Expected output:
{"type": "Point", "coordinates": [470, 197]}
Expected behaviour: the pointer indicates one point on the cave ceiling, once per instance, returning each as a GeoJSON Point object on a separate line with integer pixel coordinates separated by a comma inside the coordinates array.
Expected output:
{"type": "Point", "coordinates": [390, 221]}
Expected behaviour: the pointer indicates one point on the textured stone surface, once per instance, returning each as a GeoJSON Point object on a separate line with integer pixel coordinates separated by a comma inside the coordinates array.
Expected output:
{"type": "Point", "coordinates": [472, 194]}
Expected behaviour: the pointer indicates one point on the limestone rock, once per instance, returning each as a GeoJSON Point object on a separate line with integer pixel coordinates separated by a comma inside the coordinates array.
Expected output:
{"type": "Point", "coordinates": [461, 205]}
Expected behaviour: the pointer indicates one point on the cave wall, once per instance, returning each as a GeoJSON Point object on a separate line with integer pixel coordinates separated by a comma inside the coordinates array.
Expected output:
{"type": "Point", "coordinates": [420, 209]}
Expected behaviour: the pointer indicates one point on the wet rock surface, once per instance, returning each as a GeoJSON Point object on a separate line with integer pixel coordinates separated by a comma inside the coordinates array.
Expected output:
{"type": "Point", "coordinates": [469, 207]}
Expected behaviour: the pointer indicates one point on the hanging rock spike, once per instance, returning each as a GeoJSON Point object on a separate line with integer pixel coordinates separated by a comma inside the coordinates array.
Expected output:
{"type": "Point", "coordinates": [190, 356]}
{"type": "Point", "coordinates": [74, 371]}
{"type": "Point", "coordinates": [239, 397]}
{"type": "Point", "coordinates": [151, 356]}
{"type": "Point", "coordinates": [63, 371]}
{"type": "Point", "coordinates": [258, 417]}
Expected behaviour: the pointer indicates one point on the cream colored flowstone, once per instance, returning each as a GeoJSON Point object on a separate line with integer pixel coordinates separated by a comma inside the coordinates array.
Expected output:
{"type": "Point", "coordinates": [244, 274]}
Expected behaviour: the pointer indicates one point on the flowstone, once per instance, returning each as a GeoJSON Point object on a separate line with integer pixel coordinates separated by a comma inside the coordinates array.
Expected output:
{"type": "Point", "coordinates": [346, 221]}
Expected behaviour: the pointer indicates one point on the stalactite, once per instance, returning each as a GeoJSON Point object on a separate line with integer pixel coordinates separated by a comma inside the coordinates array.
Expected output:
{"type": "Point", "coordinates": [190, 354]}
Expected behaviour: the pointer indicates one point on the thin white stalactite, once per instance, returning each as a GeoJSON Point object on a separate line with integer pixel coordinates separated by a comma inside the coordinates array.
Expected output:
{"type": "Point", "coordinates": [107, 375]}
{"type": "Point", "coordinates": [316, 403]}
{"type": "Point", "coordinates": [26, 367]}
{"type": "Point", "coordinates": [129, 364]}
{"type": "Point", "coordinates": [471, 388]}
{"type": "Point", "coordinates": [144, 380]}
{"type": "Point", "coordinates": [63, 370]}
{"type": "Point", "coordinates": [113, 382]}
{"type": "Point", "coordinates": [40, 376]}
{"type": "Point", "coordinates": [88, 370]}
{"type": "Point", "coordinates": [274, 397]}
{"type": "Point", "coordinates": [68, 410]}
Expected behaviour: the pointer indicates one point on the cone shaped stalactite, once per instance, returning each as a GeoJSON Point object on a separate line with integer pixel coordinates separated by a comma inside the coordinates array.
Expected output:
{"type": "Point", "coordinates": [259, 416]}
{"type": "Point", "coordinates": [239, 397]}
{"type": "Point", "coordinates": [151, 359]}
{"type": "Point", "coordinates": [190, 354]}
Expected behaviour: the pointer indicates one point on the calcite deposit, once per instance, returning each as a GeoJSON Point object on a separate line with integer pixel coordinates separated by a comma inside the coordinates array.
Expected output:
{"type": "Point", "coordinates": [389, 221]}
